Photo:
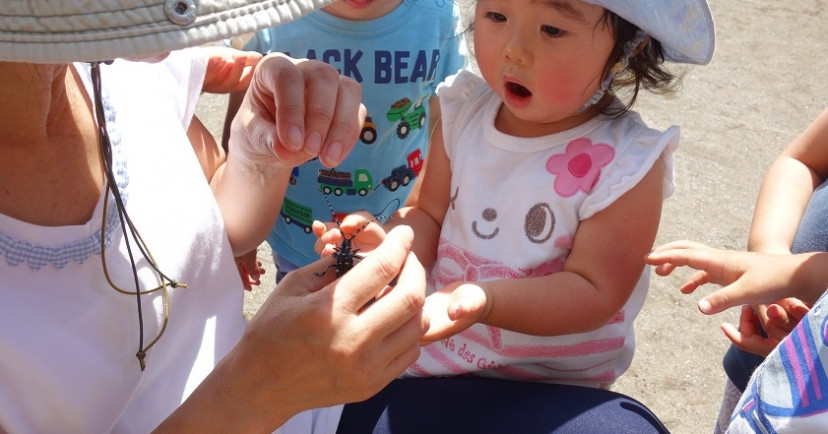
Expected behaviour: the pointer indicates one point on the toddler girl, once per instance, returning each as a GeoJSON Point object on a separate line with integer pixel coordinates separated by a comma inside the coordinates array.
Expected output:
{"type": "Point", "coordinates": [541, 193]}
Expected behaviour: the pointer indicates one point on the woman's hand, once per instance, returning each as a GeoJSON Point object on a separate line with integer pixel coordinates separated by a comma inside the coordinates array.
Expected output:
{"type": "Point", "coordinates": [317, 342]}
{"type": "Point", "coordinates": [295, 110]}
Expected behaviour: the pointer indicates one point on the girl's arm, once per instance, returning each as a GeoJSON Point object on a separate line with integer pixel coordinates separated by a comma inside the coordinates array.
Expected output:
{"type": "Point", "coordinates": [599, 275]}
{"type": "Point", "coordinates": [787, 187]}
{"type": "Point", "coordinates": [428, 201]}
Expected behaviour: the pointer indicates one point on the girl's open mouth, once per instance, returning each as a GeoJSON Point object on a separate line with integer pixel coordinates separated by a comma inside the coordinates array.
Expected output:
{"type": "Point", "coordinates": [517, 95]}
{"type": "Point", "coordinates": [518, 90]}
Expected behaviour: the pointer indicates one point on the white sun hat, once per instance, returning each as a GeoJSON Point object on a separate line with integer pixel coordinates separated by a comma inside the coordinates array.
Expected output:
{"type": "Point", "coordinates": [61, 31]}
{"type": "Point", "coordinates": [684, 27]}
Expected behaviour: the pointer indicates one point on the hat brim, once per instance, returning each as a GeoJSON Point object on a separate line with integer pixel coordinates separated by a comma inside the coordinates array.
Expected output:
{"type": "Point", "coordinates": [683, 27]}
{"type": "Point", "coordinates": [49, 31]}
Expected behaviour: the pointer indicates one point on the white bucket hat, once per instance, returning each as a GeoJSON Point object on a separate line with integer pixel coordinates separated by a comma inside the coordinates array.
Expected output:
{"type": "Point", "coordinates": [684, 27]}
{"type": "Point", "coordinates": [61, 31]}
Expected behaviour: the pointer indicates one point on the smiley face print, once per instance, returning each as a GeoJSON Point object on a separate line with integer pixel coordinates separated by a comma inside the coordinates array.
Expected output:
{"type": "Point", "coordinates": [538, 224]}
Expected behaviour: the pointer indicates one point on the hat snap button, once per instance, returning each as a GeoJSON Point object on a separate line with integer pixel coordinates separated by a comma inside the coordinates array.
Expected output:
{"type": "Point", "coordinates": [181, 12]}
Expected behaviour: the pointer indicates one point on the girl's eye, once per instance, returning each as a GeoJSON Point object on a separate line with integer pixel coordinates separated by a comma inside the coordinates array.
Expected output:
{"type": "Point", "coordinates": [496, 17]}
{"type": "Point", "coordinates": [552, 31]}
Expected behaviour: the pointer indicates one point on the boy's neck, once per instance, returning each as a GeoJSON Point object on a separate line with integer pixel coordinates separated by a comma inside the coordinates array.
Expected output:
{"type": "Point", "coordinates": [361, 10]}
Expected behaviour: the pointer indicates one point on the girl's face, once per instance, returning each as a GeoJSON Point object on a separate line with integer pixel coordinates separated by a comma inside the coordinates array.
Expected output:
{"type": "Point", "coordinates": [544, 58]}
{"type": "Point", "coordinates": [361, 10]}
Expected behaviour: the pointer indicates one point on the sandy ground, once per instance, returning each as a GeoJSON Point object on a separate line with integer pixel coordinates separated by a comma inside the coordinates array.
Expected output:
{"type": "Point", "coordinates": [765, 84]}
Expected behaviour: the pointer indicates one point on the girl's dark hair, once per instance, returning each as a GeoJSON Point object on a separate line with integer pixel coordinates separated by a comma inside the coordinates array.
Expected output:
{"type": "Point", "coordinates": [645, 69]}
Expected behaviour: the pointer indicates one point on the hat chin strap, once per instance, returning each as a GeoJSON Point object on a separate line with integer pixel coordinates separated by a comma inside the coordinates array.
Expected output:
{"type": "Point", "coordinates": [631, 48]}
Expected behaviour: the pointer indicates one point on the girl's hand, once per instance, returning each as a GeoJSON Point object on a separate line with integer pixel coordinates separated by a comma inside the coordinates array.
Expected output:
{"type": "Point", "coordinates": [228, 69]}
{"type": "Point", "coordinates": [366, 233]}
{"type": "Point", "coordinates": [454, 308]}
{"type": "Point", "coordinates": [294, 110]}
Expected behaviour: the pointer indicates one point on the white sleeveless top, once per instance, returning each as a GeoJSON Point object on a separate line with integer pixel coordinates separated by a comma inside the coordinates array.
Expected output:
{"type": "Point", "coordinates": [67, 339]}
{"type": "Point", "coordinates": [515, 209]}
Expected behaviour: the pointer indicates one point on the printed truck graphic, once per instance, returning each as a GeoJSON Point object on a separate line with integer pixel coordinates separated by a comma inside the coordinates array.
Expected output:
{"type": "Point", "coordinates": [293, 175]}
{"type": "Point", "coordinates": [403, 174]}
{"type": "Point", "coordinates": [409, 120]}
{"type": "Point", "coordinates": [330, 181]}
{"type": "Point", "coordinates": [298, 214]}
{"type": "Point", "coordinates": [369, 131]}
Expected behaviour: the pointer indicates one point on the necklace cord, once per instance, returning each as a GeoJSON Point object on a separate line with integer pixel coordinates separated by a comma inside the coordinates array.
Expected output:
{"type": "Point", "coordinates": [129, 230]}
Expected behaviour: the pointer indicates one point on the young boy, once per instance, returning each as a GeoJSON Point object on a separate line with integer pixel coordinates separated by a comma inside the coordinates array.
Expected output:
{"type": "Point", "coordinates": [399, 51]}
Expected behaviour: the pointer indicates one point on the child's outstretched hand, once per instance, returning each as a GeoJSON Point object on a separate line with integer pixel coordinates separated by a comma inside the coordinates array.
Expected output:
{"type": "Point", "coordinates": [454, 308]}
{"type": "Point", "coordinates": [746, 277]}
{"type": "Point", "coordinates": [366, 232]}
{"type": "Point", "coordinates": [228, 69]}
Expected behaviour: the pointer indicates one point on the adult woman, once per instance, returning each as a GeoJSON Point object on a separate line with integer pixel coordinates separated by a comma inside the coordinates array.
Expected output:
{"type": "Point", "coordinates": [105, 217]}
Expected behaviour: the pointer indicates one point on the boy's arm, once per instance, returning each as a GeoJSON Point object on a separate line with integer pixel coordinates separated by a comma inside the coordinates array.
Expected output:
{"type": "Point", "coordinates": [228, 69]}
{"type": "Point", "coordinates": [600, 273]}
{"type": "Point", "coordinates": [787, 188]}
{"type": "Point", "coordinates": [209, 154]}
{"type": "Point", "coordinates": [234, 101]}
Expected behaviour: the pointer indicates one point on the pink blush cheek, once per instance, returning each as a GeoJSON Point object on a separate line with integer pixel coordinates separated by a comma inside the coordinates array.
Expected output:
{"type": "Point", "coordinates": [560, 97]}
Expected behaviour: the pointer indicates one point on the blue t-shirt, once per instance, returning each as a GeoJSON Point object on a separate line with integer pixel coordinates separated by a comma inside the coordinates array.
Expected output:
{"type": "Point", "coordinates": [399, 59]}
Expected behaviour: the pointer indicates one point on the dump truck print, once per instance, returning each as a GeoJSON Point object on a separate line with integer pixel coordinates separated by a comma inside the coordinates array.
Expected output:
{"type": "Point", "coordinates": [409, 118]}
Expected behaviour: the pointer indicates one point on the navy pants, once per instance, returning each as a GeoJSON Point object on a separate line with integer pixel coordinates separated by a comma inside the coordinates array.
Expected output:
{"type": "Point", "coordinates": [462, 405]}
{"type": "Point", "coordinates": [811, 236]}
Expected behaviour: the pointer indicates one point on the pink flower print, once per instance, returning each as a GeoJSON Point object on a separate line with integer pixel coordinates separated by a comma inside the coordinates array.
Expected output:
{"type": "Point", "coordinates": [580, 167]}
